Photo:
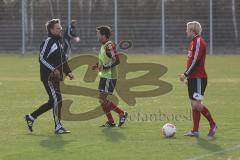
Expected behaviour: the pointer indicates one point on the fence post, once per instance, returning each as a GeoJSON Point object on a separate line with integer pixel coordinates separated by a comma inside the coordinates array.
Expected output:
{"type": "Point", "coordinates": [163, 27]}
{"type": "Point", "coordinates": [116, 21]}
{"type": "Point", "coordinates": [23, 26]}
{"type": "Point", "coordinates": [211, 27]}
{"type": "Point", "coordinates": [69, 12]}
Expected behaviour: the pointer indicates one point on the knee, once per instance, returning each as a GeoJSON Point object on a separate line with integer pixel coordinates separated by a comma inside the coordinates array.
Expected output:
{"type": "Point", "coordinates": [51, 102]}
{"type": "Point", "coordinates": [104, 102]}
{"type": "Point", "coordinates": [197, 106]}
{"type": "Point", "coordinates": [55, 102]}
{"type": "Point", "coordinates": [101, 101]}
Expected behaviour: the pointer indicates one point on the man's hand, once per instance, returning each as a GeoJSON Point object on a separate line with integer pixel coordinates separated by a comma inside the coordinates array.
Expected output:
{"type": "Point", "coordinates": [71, 76]}
{"type": "Point", "coordinates": [95, 67]}
{"type": "Point", "coordinates": [182, 77]}
{"type": "Point", "coordinates": [56, 74]}
{"type": "Point", "coordinates": [100, 68]}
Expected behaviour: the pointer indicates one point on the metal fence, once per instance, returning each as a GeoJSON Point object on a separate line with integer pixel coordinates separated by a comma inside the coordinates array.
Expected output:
{"type": "Point", "coordinates": [154, 26]}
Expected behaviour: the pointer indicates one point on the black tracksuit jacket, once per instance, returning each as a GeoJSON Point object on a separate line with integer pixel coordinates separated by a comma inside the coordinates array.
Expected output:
{"type": "Point", "coordinates": [51, 57]}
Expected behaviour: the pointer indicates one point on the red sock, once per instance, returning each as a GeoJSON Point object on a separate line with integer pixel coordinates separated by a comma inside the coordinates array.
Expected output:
{"type": "Point", "coordinates": [196, 119]}
{"type": "Point", "coordinates": [108, 114]}
{"type": "Point", "coordinates": [116, 108]}
{"type": "Point", "coordinates": [207, 115]}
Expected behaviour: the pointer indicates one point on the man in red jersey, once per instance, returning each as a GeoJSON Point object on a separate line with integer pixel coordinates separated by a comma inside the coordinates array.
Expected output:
{"type": "Point", "coordinates": [197, 78]}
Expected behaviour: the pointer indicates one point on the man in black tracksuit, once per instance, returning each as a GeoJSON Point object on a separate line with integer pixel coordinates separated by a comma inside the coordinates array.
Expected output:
{"type": "Point", "coordinates": [53, 65]}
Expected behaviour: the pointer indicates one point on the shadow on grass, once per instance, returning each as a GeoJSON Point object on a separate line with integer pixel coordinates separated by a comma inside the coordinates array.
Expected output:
{"type": "Point", "coordinates": [113, 134]}
{"type": "Point", "coordinates": [209, 144]}
{"type": "Point", "coordinates": [54, 142]}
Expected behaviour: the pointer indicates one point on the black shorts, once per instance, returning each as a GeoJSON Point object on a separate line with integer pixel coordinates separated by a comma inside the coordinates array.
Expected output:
{"type": "Point", "coordinates": [107, 85]}
{"type": "Point", "coordinates": [196, 88]}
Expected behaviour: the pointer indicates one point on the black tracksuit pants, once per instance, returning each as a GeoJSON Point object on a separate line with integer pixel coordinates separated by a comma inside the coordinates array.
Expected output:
{"type": "Point", "coordinates": [55, 101]}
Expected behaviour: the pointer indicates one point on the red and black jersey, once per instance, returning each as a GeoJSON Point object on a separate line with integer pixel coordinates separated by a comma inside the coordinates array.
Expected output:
{"type": "Point", "coordinates": [196, 59]}
{"type": "Point", "coordinates": [111, 50]}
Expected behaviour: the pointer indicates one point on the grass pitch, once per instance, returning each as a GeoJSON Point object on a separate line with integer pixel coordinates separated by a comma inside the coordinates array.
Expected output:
{"type": "Point", "coordinates": [21, 92]}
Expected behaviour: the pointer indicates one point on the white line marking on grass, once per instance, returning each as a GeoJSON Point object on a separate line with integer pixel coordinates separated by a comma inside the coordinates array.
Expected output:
{"type": "Point", "coordinates": [215, 153]}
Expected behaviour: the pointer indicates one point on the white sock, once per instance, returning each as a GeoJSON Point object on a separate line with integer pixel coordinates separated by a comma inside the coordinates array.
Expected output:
{"type": "Point", "coordinates": [58, 127]}
{"type": "Point", "coordinates": [31, 117]}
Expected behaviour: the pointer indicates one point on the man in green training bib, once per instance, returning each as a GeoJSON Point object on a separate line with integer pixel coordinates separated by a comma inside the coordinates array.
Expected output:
{"type": "Point", "coordinates": [107, 67]}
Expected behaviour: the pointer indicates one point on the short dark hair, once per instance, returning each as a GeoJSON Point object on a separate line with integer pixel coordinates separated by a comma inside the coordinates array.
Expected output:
{"type": "Point", "coordinates": [74, 21]}
{"type": "Point", "coordinates": [105, 30]}
{"type": "Point", "coordinates": [50, 24]}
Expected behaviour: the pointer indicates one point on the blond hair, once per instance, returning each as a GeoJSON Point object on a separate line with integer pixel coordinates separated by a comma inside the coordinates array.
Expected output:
{"type": "Point", "coordinates": [50, 24]}
{"type": "Point", "coordinates": [195, 27]}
